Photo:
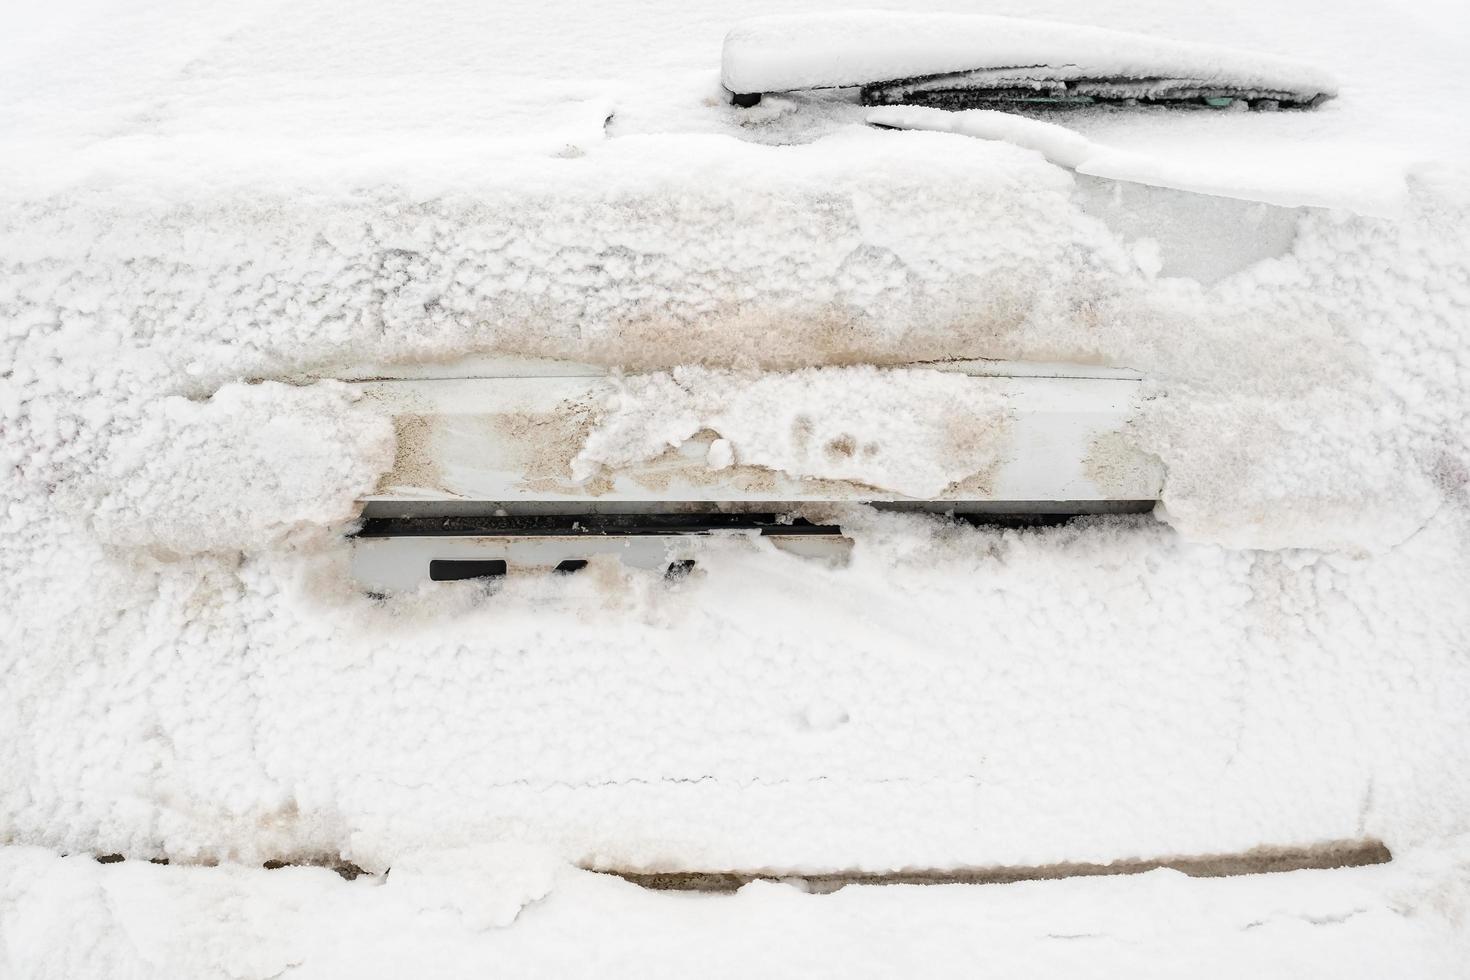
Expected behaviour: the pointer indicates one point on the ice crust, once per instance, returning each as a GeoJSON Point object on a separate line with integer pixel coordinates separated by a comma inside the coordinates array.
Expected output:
{"type": "Point", "coordinates": [855, 47]}
{"type": "Point", "coordinates": [206, 208]}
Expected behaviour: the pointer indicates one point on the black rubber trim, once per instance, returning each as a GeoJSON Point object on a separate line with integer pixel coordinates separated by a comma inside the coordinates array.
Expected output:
{"type": "Point", "coordinates": [574, 525]}
{"type": "Point", "coordinates": [460, 569]}
{"type": "Point", "coordinates": [643, 525]}
{"type": "Point", "coordinates": [1019, 520]}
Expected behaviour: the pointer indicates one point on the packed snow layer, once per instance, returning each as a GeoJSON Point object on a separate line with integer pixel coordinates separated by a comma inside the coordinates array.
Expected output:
{"type": "Point", "coordinates": [952, 697]}
{"type": "Point", "coordinates": [856, 47]}
{"type": "Point", "coordinates": [912, 432]}
{"type": "Point", "coordinates": [72, 917]}
{"type": "Point", "coordinates": [240, 471]}
{"type": "Point", "coordinates": [1068, 148]}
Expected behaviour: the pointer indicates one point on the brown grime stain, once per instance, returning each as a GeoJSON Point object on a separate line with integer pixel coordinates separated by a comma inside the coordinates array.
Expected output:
{"type": "Point", "coordinates": [414, 464]}
{"type": "Point", "coordinates": [549, 440]}
{"type": "Point", "coordinates": [839, 336]}
{"type": "Point", "coordinates": [1258, 860]}
{"type": "Point", "coordinates": [841, 447]}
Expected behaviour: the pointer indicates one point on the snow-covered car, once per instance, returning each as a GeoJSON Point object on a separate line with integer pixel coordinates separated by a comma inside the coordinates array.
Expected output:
{"type": "Point", "coordinates": [1024, 458]}
{"type": "Point", "coordinates": [535, 464]}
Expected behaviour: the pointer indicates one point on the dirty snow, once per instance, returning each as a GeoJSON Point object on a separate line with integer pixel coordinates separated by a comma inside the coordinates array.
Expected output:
{"type": "Point", "coordinates": [206, 207]}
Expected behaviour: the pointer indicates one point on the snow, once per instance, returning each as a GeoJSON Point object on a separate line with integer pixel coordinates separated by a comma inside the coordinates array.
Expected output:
{"type": "Point", "coordinates": [1380, 196]}
{"type": "Point", "coordinates": [1130, 694]}
{"type": "Point", "coordinates": [1058, 144]}
{"type": "Point", "coordinates": [855, 47]}
{"type": "Point", "coordinates": [72, 917]}
{"type": "Point", "coordinates": [210, 210]}
{"type": "Point", "coordinates": [296, 458]}
{"type": "Point", "coordinates": [119, 300]}
{"type": "Point", "coordinates": [913, 432]}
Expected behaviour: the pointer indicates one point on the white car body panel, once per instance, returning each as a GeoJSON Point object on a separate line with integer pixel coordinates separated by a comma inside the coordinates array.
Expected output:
{"type": "Point", "coordinates": [509, 440]}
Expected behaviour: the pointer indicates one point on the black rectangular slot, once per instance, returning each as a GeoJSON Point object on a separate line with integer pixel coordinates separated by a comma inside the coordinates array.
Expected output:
{"type": "Point", "coordinates": [459, 569]}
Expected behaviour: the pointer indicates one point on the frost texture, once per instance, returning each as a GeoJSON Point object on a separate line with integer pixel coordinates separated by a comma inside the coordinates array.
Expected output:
{"type": "Point", "coordinates": [1347, 440]}
{"type": "Point", "coordinates": [239, 472]}
{"type": "Point", "coordinates": [1292, 697]}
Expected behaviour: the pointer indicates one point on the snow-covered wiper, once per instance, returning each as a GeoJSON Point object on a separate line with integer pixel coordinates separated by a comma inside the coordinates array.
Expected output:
{"type": "Point", "coordinates": [959, 61]}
